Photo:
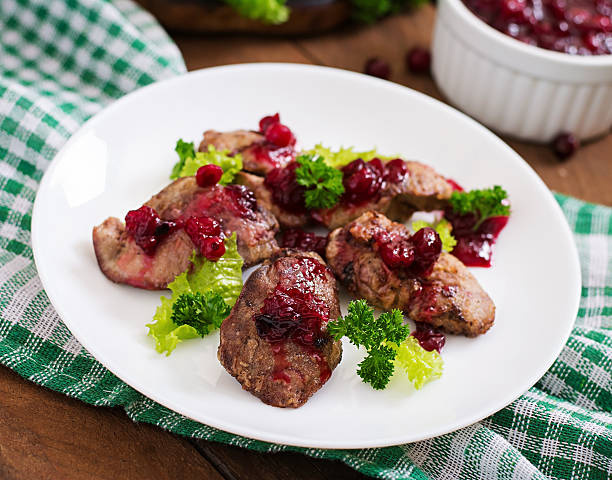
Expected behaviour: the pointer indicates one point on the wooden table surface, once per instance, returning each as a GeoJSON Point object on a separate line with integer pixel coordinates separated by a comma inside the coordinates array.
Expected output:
{"type": "Point", "coordinates": [46, 435]}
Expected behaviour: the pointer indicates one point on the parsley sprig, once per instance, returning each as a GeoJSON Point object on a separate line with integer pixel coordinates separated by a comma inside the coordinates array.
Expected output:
{"type": "Point", "coordinates": [204, 312]}
{"type": "Point", "coordinates": [362, 329]}
{"type": "Point", "coordinates": [388, 344]}
{"type": "Point", "coordinates": [486, 203]}
{"type": "Point", "coordinates": [323, 183]}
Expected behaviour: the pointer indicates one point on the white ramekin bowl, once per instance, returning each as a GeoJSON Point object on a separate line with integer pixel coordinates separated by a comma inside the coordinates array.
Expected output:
{"type": "Point", "coordinates": [517, 89]}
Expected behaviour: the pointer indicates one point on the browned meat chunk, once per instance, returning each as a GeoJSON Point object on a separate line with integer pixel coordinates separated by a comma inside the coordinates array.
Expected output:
{"type": "Point", "coordinates": [285, 218]}
{"type": "Point", "coordinates": [235, 208]}
{"type": "Point", "coordinates": [275, 341]}
{"type": "Point", "coordinates": [122, 261]}
{"type": "Point", "coordinates": [258, 156]}
{"type": "Point", "coordinates": [421, 189]}
{"type": "Point", "coordinates": [449, 298]}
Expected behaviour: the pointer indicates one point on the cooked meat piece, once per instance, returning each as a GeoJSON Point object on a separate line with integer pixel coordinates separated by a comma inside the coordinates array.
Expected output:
{"type": "Point", "coordinates": [122, 261]}
{"type": "Point", "coordinates": [275, 341]}
{"type": "Point", "coordinates": [235, 141]}
{"type": "Point", "coordinates": [449, 298]}
{"type": "Point", "coordinates": [235, 208]}
{"type": "Point", "coordinates": [422, 189]}
{"type": "Point", "coordinates": [258, 156]}
{"type": "Point", "coordinates": [285, 218]}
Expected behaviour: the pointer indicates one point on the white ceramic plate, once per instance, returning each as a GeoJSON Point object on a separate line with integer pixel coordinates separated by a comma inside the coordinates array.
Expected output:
{"type": "Point", "coordinates": [124, 155]}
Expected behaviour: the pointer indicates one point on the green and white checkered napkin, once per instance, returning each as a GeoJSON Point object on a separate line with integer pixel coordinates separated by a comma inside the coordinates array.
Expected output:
{"type": "Point", "coordinates": [61, 61]}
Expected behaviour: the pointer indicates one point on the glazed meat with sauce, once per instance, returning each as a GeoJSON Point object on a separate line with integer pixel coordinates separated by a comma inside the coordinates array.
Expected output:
{"type": "Point", "coordinates": [275, 341]}
{"type": "Point", "coordinates": [397, 188]}
{"type": "Point", "coordinates": [298, 217]}
{"type": "Point", "coordinates": [447, 296]}
{"type": "Point", "coordinates": [234, 207]}
{"type": "Point", "coordinates": [258, 155]}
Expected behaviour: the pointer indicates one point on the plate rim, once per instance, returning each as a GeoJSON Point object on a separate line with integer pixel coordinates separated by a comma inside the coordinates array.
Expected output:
{"type": "Point", "coordinates": [572, 259]}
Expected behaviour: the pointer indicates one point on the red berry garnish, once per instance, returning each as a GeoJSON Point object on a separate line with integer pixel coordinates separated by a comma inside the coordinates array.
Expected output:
{"type": "Point", "coordinates": [146, 228]}
{"type": "Point", "coordinates": [212, 248]}
{"type": "Point", "coordinates": [396, 170]}
{"type": "Point", "coordinates": [427, 249]}
{"type": "Point", "coordinates": [565, 145]}
{"type": "Point", "coordinates": [377, 68]}
{"type": "Point", "coordinates": [279, 135]}
{"type": "Point", "coordinates": [208, 175]}
{"type": "Point", "coordinates": [362, 180]}
{"type": "Point", "coordinates": [418, 60]}
{"type": "Point", "coordinates": [268, 121]}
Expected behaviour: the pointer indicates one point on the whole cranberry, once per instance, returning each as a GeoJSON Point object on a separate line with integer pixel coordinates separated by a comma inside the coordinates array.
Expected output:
{"type": "Point", "coordinates": [208, 175]}
{"type": "Point", "coordinates": [279, 135]}
{"type": "Point", "coordinates": [377, 68]}
{"type": "Point", "coordinates": [268, 121]}
{"type": "Point", "coordinates": [565, 145]}
{"type": "Point", "coordinates": [418, 60]}
{"type": "Point", "coordinates": [212, 248]}
{"type": "Point", "coordinates": [427, 249]}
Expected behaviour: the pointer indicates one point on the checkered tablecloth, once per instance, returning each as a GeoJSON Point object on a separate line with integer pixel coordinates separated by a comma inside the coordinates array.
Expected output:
{"type": "Point", "coordinates": [61, 61]}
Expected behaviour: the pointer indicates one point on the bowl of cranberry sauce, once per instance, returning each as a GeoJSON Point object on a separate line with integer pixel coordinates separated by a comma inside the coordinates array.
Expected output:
{"type": "Point", "coordinates": [531, 69]}
{"type": "Point", "coordinates": [576, 27]}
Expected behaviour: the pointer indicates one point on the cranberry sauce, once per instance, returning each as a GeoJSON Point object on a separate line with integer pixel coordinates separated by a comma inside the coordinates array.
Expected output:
{"type": "Point", "coordinates": [475, 241]}
{"type": "Point", "coordinates": [305, 241]}
{"type": "Point", "coordinates": [293, 312]}
{"type": "Point", "coordinates": [577, 27]}
{"type": "Point", "coordinates": [147, 229]}
{"type": "Point", "coordinates": [429, 338]}
{"type": "Point", "coordinates": [414, 255]}
{"type": "Point", "coordinates": [363, 181]}
{"type": "Point", "coordinates": [279, 145]}
{"type": "Point", "coordinates": [206, 235]}
{"type": "Point", "coordinates": [285, 191]}
{"type": "Point", "coordinates": [216, 201]}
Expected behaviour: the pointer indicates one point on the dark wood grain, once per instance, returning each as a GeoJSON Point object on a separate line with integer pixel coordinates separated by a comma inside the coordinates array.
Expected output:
{"type": "Point", "coordinates": [47, 435]}
{"type": "Point", "coordinates": [44, 434]}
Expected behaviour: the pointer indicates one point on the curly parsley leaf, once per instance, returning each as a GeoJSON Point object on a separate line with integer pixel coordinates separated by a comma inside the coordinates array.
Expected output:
{"type": "Point", "coordinates": [444, 229]}
{"type": "Point", "coordinates": [185, 150]}
{"type": "Point", "coordinates": [323, 183]}
{"type": "Point", "coordinates": [486, 203]}
{"type": "Point", "coordinates": [362, 329]}
{"type": "Point", "coordinates": [204, 312]}
{"type": "Point", "coordinates": [377, 367]}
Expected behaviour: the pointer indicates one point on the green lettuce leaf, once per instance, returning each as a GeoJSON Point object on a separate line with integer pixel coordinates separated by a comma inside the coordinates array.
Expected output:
{"type": "Point", "coordinates": [419, 365]}
{"type": "Point", "coordinates": [230, 165]}
{"type": "Point", "coordinates": [268, 11]}
{"type": "Point", "coordinates": [344, 156]}
{"type": "Point", "coordinates": [223, 277]}
{"type": "Point", "coordinates": [184, 150]}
